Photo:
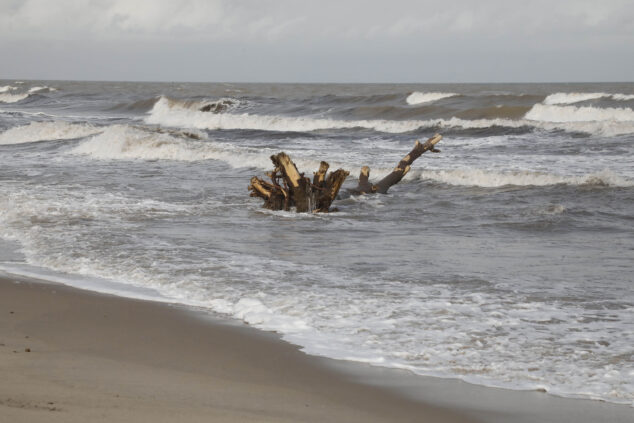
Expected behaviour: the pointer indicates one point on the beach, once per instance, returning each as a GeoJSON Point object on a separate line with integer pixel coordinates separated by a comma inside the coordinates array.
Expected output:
{"type": "Point", "coordinates": [493, 281]}
{"type": "Point", "coordinates": [69, 355]}
{"type": "Point", "coordinates": [95, 357]}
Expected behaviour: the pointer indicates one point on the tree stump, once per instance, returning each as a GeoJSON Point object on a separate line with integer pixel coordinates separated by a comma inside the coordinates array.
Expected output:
{"type": "Point", "coordinates": [290, 188]}
{"type": "Point", "coordinates": [295, 189]}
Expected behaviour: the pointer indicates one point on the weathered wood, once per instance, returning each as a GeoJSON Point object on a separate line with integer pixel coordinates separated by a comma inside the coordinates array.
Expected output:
{"type": "Point", "coordinates": [320, 176]}
{"type": "Point", "coordinates": [365, 187]}
{"type": "Point", "coordinates": [303, 197]}
{"type": "Point", "coordinates": [296, 190]}
{"type": "Point", "coordinates": [401, 169]}
{"type": "Point", "coordinates": [273, 195]}
{"type": "Point", "coordinates": [333, 185]}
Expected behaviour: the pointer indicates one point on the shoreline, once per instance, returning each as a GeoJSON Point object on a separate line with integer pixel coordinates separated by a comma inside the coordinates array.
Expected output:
{"type": "Point", "coordinates": [81, 341]}
{"type": "Point", "coordinates": [71, 355]}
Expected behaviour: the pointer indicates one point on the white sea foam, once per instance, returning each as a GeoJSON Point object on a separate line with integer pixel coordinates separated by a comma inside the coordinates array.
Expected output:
{"type": "Point", "coordinates": [42, 131]}
{"type": "Point", "coordinates": [571, 98]}
{"type": "Point", "coordinates": [12, 98]}
{"type": "Point", "coordinates": [418, 97]}
{"type": "Point", "coordinates": [124, 142]}
{"type": "Point", "coordinates": [128, 142]}
{"type": "Point", "coordinates": [41, 89]}
{"type": "Point", "coordinates": [496, 337]}
{"type": "Point", "coordinates": [547, 113]}
{"type": "Point", "coordinates": [7, 88]}
{"type": "Point", "coordinates": [623, 97]}
{"type": "Point", "coordinates": [165, 112]}
{"type": "Point", "coordinates": [491, 179]}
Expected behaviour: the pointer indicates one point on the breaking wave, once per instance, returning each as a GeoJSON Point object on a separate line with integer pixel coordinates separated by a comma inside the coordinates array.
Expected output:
{"type": "Point", "coordinates": [221, 105]}
{"type": "Point", "coordinates": [571, 98]}
{"type": "Point", "coordinates": [418, 97]}
{"type": "Point", "coordinates": [164, 113]}
{"type": "Point", "coordinates": [41, 131]}
{"type": "Point", "coordinates": [493, 179]}
{"type": "Point", "coordinates": [43, 89]}
{"type": "Point", "coordinates": [124, 142]}
{"type": "Point", "coordinates": [550, 113]}
{"type": "Point", "coordinates": [7, 88]}
{"type": "Point", "coordinates": [129, 142]}
{"type": "Point", "coordinates": [12, 98]}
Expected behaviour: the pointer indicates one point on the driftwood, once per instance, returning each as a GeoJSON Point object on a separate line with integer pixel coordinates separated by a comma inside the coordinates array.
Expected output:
{"type": "Point", "coordinates": [290, 188]}
{"type": "Point", "coordinates": [295, 189]}
{"type": "Point", "coordinates": [401, 169]}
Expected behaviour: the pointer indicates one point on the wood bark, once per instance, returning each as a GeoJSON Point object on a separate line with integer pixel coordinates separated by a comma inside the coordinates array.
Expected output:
{"type": "Point", "coordinates": [297, 190]}
{"type": "Point", "coordinates": [401, 169]}
{"type": "Point", "coordinates": [289, 188]}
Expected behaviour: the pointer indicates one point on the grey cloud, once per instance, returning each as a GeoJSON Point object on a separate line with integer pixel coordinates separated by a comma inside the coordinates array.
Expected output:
{"type": "Point", "coordinates": [277, 40]}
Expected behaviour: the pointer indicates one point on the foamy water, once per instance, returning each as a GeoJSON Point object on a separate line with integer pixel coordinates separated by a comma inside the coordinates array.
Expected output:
{"type": "Point", "coordinates": [42, 131]}
{"type": "Point", "coordinates": [420, 98]}
{"type": "Point", "coordinates": [504, 261]}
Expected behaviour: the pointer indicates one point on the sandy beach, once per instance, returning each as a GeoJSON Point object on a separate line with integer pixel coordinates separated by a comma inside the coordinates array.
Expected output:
{"type": "Point", "coordinates": [68, 355]}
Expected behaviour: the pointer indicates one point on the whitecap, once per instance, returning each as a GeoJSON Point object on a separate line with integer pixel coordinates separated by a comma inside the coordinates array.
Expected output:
{"type": "Point", "coordinates": [418, 97]}
{"type": "Point", "coordinates": [549, 113]}
{"type": "Point", "coordinates": [570, 98]}
{"type": "Point", "coordinates": [167, 113]}
{"type": "Point", "coordinates": [492, 178]}
{"type": "Point", "coordinates": [41, 131]}
{"type": "Point", "coordinates": [12, 98]}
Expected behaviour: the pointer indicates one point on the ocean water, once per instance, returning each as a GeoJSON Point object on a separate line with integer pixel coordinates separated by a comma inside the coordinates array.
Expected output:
{"type": "Point", "coordinates": [506, 260]}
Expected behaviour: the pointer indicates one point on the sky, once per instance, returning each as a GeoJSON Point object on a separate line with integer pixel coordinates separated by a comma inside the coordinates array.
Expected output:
{"type": "Point", "coordinates": [318, 41]}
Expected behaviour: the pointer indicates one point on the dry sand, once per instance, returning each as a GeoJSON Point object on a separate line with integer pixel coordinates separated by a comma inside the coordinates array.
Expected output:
{"type": "Point", "coordinates": [68, 355]}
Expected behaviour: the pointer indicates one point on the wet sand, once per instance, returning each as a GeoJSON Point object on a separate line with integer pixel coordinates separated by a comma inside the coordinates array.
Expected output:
{"type": "Point", "coordinates": [71, 355]}
{"type": "Point", "coordinates": [68, 355]}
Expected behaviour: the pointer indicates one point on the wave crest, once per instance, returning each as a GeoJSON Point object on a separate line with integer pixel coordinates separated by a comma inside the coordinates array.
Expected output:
{"type": "Point", "coordinates": [418, 97]}
{"type": "Point", "coordinates": [213, 106]}
{"type": "Point", "coordinates": [7, 88]}
{"type": "Point", "coordinates": [13, 98]}
{"type": "Point", "coordinates": [614, 121]}
{"type": "Point", "coordinates": [123, 142]}
{"type": "Point", "coordinates": [492, 179]}
{"type": "Point", "coordinates": [42, 131]}
{"type": "Point", "coordinates": [43, 89]}
{"type": "Point", "coordinates": [571, 98]}
{"type": "Point", "coordinates": [549, 113]}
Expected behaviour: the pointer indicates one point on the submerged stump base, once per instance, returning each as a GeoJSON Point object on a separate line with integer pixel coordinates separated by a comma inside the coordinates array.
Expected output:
{"type": "Point", "coordinates": [288, 188]}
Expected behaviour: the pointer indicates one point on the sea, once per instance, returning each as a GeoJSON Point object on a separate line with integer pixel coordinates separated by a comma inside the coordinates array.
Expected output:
{"type": "Point", "coordinates": [505, 260]}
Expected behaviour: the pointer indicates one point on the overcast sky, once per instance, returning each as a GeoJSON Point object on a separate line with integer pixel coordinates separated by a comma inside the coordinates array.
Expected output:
{"type": "Point", "coordinates": [318, 41]}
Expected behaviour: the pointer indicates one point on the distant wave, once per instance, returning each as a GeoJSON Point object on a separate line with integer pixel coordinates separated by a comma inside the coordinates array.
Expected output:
{"type": "Point", "coordinates": [571, 98]}
{"type": "Point", "coordinates": [41, 89]}
{"type": "Point", "coordinates": [131, 142]}
{"type": "Point", "coordinates": [418, 97]}
{"type": "Point", "coordinates": [13, 98]}
{"type": "Point", "coordinates": [492, 179]}
{"type": "Point", "coordinates": [124, 142]}
{"type": "Point", "coordinates": [8, 94]}
{"type": "Point", "coordinates": [167, 113]}
{"type": "Point", "coordinates": [623, 97]}
{"type": "Point", "coordinates": [221, 105]}
{"type": "Point", "coordinates": [549, 113]}
{"type": "Point", "coordinates": [41, 131]}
